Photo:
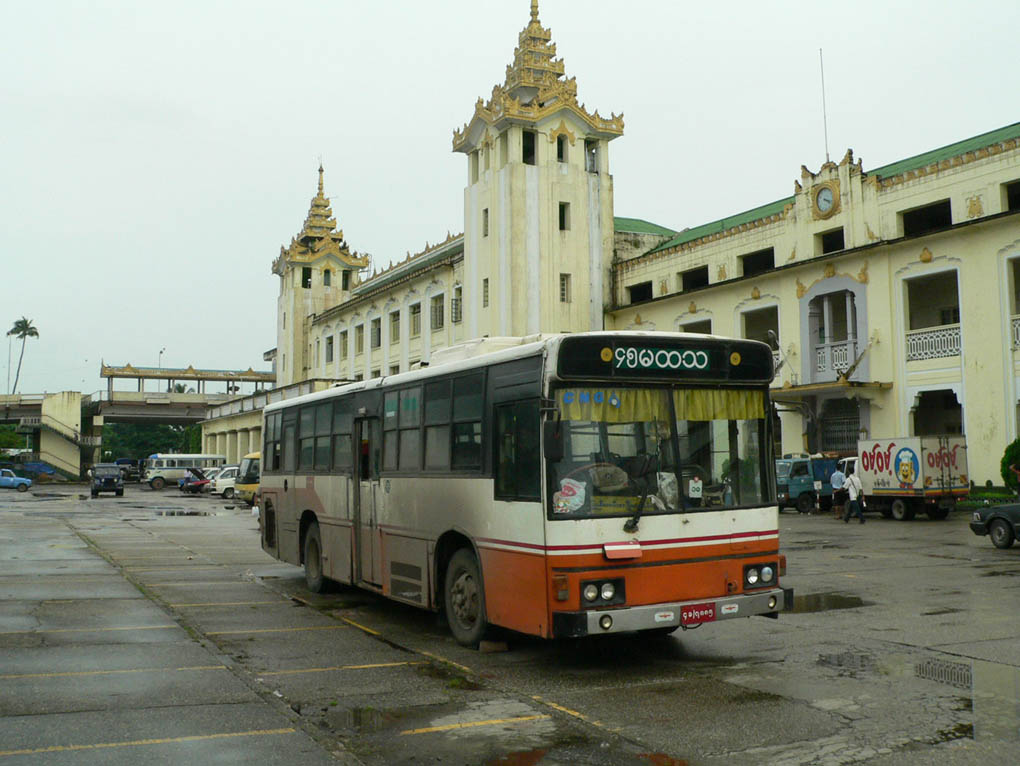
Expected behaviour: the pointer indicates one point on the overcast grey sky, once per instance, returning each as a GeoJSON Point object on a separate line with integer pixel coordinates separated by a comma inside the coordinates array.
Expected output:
{"type": "Point", "coordinates": [155, 156]}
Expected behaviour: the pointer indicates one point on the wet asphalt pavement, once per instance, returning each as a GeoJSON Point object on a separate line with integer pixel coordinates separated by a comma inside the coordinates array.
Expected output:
{"type": "Point", "coordinates": [152, 627]}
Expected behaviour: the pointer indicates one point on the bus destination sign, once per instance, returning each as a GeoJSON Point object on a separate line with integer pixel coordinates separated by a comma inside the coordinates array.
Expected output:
{"type": "Point", "coordinates": [682, 358]}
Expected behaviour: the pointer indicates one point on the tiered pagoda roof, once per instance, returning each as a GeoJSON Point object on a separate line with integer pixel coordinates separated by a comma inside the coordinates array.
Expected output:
{"type": "Point", "coordinates": [319, 236]}
{"type": "Point", "coordinates": [535, 88]}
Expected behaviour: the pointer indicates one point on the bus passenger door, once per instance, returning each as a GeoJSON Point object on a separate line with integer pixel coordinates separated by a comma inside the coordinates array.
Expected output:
{"type": "Point", "coordinates": [367, 540]}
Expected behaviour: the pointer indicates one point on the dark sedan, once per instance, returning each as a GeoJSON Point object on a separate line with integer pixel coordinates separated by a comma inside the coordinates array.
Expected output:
{"type": "Point", "coordinates": [999, 522]}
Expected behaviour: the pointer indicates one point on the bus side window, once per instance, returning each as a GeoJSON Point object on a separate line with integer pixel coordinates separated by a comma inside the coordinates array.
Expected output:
{"type": "Point", "coordinates": [517, 450]}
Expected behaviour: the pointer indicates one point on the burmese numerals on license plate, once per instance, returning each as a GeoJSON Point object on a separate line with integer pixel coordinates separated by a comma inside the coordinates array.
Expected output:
{"type": "Point", "coordinates": [697, 613]}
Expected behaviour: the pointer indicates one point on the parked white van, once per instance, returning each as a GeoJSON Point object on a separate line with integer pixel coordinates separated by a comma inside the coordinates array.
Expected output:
{"type": "Point", "coordinates": [223, 484]}
{"type": "Point", "coordinates": [164, 468]}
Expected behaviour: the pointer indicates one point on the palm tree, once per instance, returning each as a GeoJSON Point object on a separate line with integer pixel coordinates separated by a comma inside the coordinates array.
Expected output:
{"type": "Point", "coordinates": [23, 330]}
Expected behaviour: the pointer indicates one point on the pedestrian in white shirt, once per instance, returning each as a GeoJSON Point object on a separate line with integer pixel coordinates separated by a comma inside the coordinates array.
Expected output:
{"type": "Point", "coordinates": [856, 494]}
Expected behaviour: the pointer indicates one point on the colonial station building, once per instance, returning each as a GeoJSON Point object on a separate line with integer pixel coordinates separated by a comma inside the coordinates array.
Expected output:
{"type": "Point", "coordinates": [891, 296]}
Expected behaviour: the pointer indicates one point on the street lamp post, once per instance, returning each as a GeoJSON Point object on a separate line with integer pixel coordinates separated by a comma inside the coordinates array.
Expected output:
{"type": "Point", "coordinates": [161, 357]}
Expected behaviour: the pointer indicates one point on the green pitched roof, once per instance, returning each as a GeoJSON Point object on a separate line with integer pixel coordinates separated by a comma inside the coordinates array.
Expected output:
{"type": "Point", "coordinates": [763, 211]}
{"type": "Point", "coordinates": [895, 168]}
{"type": "Point", "coordinates": [947, 152]}
{"type": "Point", "coordinates": [639, 226]}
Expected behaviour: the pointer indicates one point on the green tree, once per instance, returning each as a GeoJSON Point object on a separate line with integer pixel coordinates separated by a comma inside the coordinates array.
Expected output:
{"type": "Point", "coordinates": [139, 440]}
{"type": "Point", "coordinates": [23, 330]}
{"type": "Point", "coordinates": [1010, 458]}
{"type": "Point", "coordinates": [9, 438]}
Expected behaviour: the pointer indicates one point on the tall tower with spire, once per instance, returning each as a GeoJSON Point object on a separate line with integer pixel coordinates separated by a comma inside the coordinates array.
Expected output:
{"type": "Point", "coordinates": [317, 270]}
{"type": "Point", "coordinates": [538, 206]}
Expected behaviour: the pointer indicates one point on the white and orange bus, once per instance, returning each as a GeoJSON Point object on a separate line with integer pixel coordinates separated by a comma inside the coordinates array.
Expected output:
{"type": "Point", "coordinates": [560, 486]}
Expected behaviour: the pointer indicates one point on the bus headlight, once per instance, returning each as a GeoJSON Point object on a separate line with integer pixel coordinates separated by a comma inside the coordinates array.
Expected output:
{"type": "Point", "coordinates": [751, 576]}
{"type": "Point", "coordinates": [767, 573]}
{"type": "Point", "coordinates": [603, 592]}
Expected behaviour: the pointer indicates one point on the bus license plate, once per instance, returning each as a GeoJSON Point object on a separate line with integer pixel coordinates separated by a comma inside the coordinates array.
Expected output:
{"type": "Point", "coordinates": [697, 613]}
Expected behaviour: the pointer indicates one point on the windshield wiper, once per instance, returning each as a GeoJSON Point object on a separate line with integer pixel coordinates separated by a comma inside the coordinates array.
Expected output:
{"type": "Point", "coordinates": [641, 467]}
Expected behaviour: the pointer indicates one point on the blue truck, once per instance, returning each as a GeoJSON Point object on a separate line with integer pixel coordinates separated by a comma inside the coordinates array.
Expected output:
{"type": "Point", "coordinates": [803, 482]}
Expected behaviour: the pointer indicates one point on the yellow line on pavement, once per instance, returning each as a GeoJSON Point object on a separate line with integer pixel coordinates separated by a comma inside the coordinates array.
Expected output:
{"type": "Point", "coordinates": [143, 742]}
{"type": "Point", "coordinates": [336, 667]}
{"type": "Point", "coordinates": [568, 711]}
{"type": "Point", "coordinates": [181, 568]}
{"type": "Point", "coordinates": [274, 630]}
{"type": "Point", "coordinates": [493, 722]}
{"type": "Point", "coordinates": [86, 630]}
{"type": "Point", "coordinates": [203, 583]}
{"type": "Point", "coordinates": [361, 627]}
{"type": "Point", "coordinates": [110, 672]}
{"type": "Point", "coordinates": [229, 603]}
{"type": "Point", "coordinates": [445, 661]}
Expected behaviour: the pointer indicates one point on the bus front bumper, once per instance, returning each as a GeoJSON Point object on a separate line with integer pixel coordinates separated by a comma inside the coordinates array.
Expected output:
{"type": "Point", "coordinates": [687, 614]}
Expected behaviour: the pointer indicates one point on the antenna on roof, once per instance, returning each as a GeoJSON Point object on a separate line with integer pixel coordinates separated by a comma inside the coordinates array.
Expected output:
{"type": "Point", "coordinates": [825, 123]}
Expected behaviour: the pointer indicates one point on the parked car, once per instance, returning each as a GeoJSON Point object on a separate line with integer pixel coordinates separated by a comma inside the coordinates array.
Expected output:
{"type": "Point", "coordinates": [195, 482]}
{"type": "Point", "coordinates": [9, 479]}
{"type": "Point", "coordinates": [223, 484]}
{"type": "Point", "coordinates": [130, 468]}
{"type": "Point", "coordinates": [999, 522]}
{"type": "Point", "coordinates": [106, 477]}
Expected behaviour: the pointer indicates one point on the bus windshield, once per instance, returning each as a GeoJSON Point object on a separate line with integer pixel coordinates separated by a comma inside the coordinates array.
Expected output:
{"type": "Point", "coordinates": [621, 447]}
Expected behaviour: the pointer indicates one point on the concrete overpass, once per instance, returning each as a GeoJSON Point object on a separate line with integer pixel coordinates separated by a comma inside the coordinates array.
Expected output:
{"type": "Point", "coordinates": [65, 429]}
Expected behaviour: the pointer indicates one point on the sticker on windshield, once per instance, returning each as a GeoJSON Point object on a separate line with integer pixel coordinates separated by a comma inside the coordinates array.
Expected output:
{"type": "Point", "coordinates": [570, 498]}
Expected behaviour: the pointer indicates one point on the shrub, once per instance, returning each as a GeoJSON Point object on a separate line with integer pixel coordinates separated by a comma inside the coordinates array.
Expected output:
{"type": "Point", "coordinates": [1011, 457]}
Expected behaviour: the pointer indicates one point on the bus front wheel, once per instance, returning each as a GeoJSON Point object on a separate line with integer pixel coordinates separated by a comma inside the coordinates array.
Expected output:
{"type": "Point", "coordinates": [157, 484]}
{"type": "Point", "coordinates": [314, 579]}
{"type": "Point", "coordinates": [464, 598]}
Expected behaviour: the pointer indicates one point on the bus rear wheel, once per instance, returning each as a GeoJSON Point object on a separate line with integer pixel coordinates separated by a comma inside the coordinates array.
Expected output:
{"type": "Point", "coordinates": [464, 598]}
{"type": "Point", "coordinates": [314, 579]}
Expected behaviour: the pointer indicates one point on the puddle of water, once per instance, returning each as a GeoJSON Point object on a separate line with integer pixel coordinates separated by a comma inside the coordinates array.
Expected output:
{"type": "Point", "coordinates": [181, 512]}
{"type": "Point", "coordinates": [943, 610]}
{"type": "Point", "coordinates": [49, 495]}
{"type": "Point", "coordinates": [364, 719]}
{"type": "Point", "coordinates": [824, 602]}
{"type": "Point", "coordinates": [530, 758]}
{"type": "Point", "coordinates": [999, 574]}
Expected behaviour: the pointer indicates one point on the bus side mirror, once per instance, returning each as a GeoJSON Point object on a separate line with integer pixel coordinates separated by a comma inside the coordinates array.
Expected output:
{"type": "Point", "coordinates": [552, 437]}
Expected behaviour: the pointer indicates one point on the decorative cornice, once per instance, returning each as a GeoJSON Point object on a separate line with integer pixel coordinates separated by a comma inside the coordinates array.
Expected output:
{"type": "Point", "coordinates": [947, 164]}
{"type": "Point", "coordinates": [715, 236]}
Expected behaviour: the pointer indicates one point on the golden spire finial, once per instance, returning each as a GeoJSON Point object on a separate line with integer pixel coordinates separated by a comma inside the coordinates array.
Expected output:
{"type": "Point", "coordinates": [320, 176]}
{"type": "Point", "coordinates": [534, 10]}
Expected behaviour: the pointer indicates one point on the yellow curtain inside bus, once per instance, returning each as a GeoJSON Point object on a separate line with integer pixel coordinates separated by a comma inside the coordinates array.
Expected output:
{"type": "Point", "coordinates": [633, 405]}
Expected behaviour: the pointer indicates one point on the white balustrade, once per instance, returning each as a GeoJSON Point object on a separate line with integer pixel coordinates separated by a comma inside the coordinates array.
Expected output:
{"type": "Point", "coordinates": [934, 343]}
{"type": "Point", "coordinates": [1016, 332]}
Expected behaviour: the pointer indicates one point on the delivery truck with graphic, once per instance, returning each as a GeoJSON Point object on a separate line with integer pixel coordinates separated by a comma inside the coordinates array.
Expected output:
{"type": "Point", "coordinates": [912, 474]}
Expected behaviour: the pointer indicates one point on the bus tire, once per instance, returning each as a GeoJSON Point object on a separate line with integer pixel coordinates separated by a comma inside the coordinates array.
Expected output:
{"type": "Point", "coordinates": [157, 483]}
{"type": "Point", "coordinates": [464, 598]}
{"type": "Point", "coordinates": [315, 581]}
{"type": "Point", "coordinates": [901, 510]}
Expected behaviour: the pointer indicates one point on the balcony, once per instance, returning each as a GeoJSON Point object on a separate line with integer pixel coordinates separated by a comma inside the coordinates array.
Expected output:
{"type": "Point", "coordinates": [936, 342]}
{"type": "Point", "coordinates": [833, 359]}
